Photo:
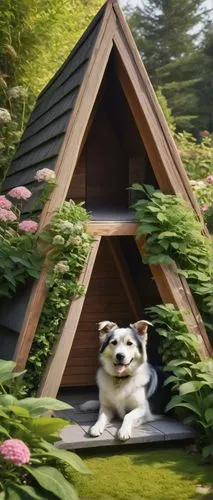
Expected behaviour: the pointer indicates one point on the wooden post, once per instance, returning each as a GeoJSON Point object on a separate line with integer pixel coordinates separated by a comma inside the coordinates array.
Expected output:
{"type": "Point", "coordinates": [53, 374]}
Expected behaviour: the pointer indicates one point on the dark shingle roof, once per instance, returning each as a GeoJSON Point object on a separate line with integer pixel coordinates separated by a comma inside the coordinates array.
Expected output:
{"type": "Point", "coordinates": [42, 140]}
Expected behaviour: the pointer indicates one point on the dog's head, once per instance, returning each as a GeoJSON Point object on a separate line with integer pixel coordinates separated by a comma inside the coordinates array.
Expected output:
{"type": "Point", "coordinates": [122, 349]}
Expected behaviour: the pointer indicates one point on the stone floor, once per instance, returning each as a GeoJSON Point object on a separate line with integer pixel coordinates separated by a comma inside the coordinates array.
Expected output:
{"type": "Point", "coordinates": [76, 436]}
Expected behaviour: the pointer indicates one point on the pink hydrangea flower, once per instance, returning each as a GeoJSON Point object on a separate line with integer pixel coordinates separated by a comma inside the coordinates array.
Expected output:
{"type": "Point", "coordinates": [204, 207]}
{"type": "Point", "coordinates": [45, 174]}
{"type": "Point", "coordinates": [209, 179]}
{"type": "Point", "coordinates": [16, 451]}
{"type": "Point", "coordinates": [29, 226]}
{"type": "Point", "coordinates": [7, 215]}
{"type": "Point", "coordinates": [20, 193]}
{"type": "Point", "coordinates": [4, 203]}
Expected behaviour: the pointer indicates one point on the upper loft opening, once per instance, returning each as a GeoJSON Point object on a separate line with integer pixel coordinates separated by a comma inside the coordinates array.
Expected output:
{"type": "Point", "coordinates": [113, 156]}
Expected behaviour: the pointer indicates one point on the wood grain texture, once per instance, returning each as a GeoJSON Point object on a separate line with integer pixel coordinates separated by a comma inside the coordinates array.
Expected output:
{"type": "Point", "coordinates": [56, 365]}
{"type": "Point", "coordinates": [112, 228]}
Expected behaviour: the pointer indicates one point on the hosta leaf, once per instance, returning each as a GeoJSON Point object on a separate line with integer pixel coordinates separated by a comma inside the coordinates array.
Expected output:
{"type": "Point", "coordinates": [37, 406]}
{"type": "Point", "coordinates": [4, 431]}
{"type": "Point", "coordinates": [169, 380]}
{"type": "Point", "coordinates": [7, 400]}
{"type": "Point", "coordinates": [44, 426]}
{"type": "Point", "coordinates": [209, 415]}
{"type": "Point", "coordinates": [18, 410]}
{"type": "Point", "coordinates": [52, 480]}
{"type": "Point", "coordinates": [189, 406]}
{"type": "Point", "coordinates": [192, 386]}
{"type": "Point", "coordinates": [67, 456]}
{"type": "Point", "coordinates": [15, 492]}
{"type": "Point", "coordinates": [6, 366]}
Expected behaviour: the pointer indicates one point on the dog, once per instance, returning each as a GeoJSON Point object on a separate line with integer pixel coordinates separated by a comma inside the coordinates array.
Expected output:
{"type": "Point", "coordinates": [125, 379]}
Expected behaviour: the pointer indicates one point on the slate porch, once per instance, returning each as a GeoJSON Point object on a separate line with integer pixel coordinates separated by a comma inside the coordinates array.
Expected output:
{"type": "Point", "coordinates": [76, 436]}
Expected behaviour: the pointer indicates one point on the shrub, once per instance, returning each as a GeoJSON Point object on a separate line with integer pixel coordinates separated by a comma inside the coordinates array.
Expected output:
{"type": "Point", "coordinates": [173, 234]}
{"type": "Point", "coordinates": [30, 465]}
{"type": "Point", "coordinates": [191, 379]}
{"type": "Point", "coordinates": [67, 244]}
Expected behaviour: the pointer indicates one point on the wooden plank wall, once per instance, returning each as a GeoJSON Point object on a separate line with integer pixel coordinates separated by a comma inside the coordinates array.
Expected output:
{"type": "Point", "coordinates": [105, 299]}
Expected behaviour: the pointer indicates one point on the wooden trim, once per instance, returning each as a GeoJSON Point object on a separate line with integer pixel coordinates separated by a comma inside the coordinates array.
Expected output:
{"type": "Point", "coordinates": [112, 228]}
{"type": "Point", "coordinates": [53, 374]}
{"type": "Point", "coordinates": [123, 35]}
{"type": "Point", "coordinates": [174, 290]}
{"type": "Point", "coordinates": [125, 277]}
{"type": "Point", "coordinates": [31, 319]}
{"type": "Point", "coordinates": [74, 138]}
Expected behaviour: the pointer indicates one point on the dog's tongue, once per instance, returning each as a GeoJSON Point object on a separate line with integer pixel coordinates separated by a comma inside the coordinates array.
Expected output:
{"type": "Point", "coordinates": [120, 368]}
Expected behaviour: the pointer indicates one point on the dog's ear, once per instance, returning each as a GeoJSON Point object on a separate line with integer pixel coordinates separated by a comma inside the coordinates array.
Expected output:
{"type": "Point", "coordinates": [142, 326]}
{"type": "Point", "coordinates": [104, 327]}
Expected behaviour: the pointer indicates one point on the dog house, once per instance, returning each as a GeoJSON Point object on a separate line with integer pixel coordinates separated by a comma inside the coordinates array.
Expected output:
{"type": "Point", "coordinates": [99, 126]}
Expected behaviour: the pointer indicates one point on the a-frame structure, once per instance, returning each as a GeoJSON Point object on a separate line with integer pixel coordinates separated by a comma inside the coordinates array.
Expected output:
{"type": "Point", "coordinates": [103, 72]}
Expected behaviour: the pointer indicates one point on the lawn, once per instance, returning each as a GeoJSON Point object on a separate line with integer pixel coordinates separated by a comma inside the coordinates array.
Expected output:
{"type": "Point", "coordinates": [145, 474]}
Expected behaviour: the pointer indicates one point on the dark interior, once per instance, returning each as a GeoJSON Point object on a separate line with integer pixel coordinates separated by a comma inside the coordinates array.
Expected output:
{"type": "Point", "coordinates": [113, 157]}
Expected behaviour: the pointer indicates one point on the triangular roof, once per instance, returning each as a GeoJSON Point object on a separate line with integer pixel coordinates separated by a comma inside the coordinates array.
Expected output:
{"type": "Point", "coordinates": [60, 119]}
{"type": "Point", "coordinates": [58, 128]}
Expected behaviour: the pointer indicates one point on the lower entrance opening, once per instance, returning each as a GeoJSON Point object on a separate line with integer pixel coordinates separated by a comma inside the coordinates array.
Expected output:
{"type": "Point", "coordinates": [120, 289]}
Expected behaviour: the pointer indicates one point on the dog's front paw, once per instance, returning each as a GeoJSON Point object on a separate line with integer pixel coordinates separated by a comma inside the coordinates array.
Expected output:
{"type": "Point", "coordinates": [96, 430]}
{"type": "Point", "coordinates": [124, 433]}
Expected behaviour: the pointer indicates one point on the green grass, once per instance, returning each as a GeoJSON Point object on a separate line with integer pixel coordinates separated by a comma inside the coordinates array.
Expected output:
{"type": "Point", "coordinates": [146, 474]}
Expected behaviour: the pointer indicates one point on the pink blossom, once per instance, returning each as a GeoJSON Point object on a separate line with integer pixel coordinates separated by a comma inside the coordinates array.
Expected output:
{"type": "Point", "coordinates": [30, 226]}
{"type": "Point", "coordinates": [4, 203]}
{"type": "Point", "coordinates": [16, 451]}
{"type": "Point", "coordinates": [204, 207]}
{"type": "Point", "coordinates": [45, 174]}
{"type": "Point", "coordinates": [7, 215]}
{"type": "Point", "coordinates": [209, 179]}
{"type": "Point", "coordinates": [20, 193]}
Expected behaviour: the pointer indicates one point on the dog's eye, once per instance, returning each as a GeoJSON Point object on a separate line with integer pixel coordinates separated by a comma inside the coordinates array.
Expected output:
{"type": "Point", "coordinates": [129, 342]}
{"type": "Point", "coordinates": [114, 342]}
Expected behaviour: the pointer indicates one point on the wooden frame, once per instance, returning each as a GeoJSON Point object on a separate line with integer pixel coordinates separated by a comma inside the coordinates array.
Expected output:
{"type": "Point", "coordinates": [56, 365]}
{"type": "Point", "coordinates": [159, 144]}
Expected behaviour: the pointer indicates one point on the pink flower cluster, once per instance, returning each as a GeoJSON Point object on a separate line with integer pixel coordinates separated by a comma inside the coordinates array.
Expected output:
{"type": "Point", "coordinates": [20, 193]}
{"type": "Point", "coordinates": [209, 179]}
{"type": "Point", "coordinates": [29, 226]}
{"type": "Point", "coordinates": [45, 174]}
{"type": "Point", "coordinates": [7, 215]}
{"type": "Point", "coordinates": [16, 451]}
{"type": "Point", "coordinates": [4, 203]}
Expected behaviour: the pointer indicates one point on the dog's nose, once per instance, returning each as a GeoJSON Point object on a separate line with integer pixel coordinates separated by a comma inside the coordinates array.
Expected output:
{"type": "Point", "coordinates": [120, 357]}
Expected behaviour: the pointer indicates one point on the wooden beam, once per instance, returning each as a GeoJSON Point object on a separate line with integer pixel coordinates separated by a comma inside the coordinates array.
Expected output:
{"type": "Point", "coordinates": [137, 72]}
{"type": "Point", "coordinates": [53, 374]}
{"type": "Point", "coordinates": [126, 278]}
{"type": "Point", "coordinates": [112, 228]}
{"type": "Point", "coordinates": [175, 290]}
{"type": "Point", "coordinates": [69, 153]}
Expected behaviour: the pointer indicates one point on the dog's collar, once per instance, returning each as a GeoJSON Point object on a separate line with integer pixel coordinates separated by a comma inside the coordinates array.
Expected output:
{"type": "Point", "coordinates": [121, 378]}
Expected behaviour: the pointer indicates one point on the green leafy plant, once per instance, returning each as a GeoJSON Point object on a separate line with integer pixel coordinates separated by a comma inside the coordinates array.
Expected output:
{"type": "Point", "coordinates": [21, 256]}
{"type": "Point", "coordinates": [30, 465]}
{"type": "Point", "coordinates": [192, 384]}
{"type": "Point", "coordinates": [176, 341]}
{"type": "Point", "coordinates": [173, 234]}
{"type": "Point", "coordinates": [197, 157]}
{"type": "Point", "coordinates": [191, 379]}
{"type": "Point", "coordinates": [67, 244]}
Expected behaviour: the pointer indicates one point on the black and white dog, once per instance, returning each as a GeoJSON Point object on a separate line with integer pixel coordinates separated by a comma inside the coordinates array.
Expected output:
{"type": "Point", "coordinates": [125, 379]}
